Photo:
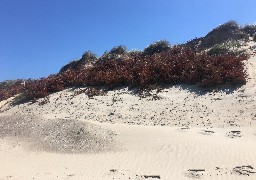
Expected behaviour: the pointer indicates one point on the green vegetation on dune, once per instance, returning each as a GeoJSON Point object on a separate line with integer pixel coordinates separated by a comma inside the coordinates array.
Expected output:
{"type": "Point", "coordinates": [229, 31]}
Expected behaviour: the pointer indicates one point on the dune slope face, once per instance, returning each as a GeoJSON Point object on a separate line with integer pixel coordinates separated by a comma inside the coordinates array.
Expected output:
{"type": "Point", "coordinates": [180, 105]}
{"type": "Point", "coordinates": [180, 132]}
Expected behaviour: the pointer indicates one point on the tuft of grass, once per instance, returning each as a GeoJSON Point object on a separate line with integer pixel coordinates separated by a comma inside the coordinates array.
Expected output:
{"type": "Point", "coordinates": [229, 46]}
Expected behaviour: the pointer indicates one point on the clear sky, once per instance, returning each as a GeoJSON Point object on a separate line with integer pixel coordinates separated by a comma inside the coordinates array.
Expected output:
{"type": "Point", "coordinates": [38, 37]}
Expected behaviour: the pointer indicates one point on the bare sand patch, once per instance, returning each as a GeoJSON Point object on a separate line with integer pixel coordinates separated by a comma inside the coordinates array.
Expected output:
{"type": "Point", "coordinates": [56, 135]}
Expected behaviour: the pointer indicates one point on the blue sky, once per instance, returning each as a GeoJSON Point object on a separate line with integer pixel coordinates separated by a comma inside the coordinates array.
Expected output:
{"type": "Point", "coordinates": [38, 37]}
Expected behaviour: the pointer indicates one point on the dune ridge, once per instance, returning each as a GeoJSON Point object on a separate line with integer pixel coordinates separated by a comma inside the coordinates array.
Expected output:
{"type": "Point", "coordinates": [180, 132]}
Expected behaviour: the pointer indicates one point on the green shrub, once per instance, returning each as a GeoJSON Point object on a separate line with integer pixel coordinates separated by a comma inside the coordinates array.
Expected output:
{"type": "Point", "coordinates": [69, 66]}
{"type": "Point", "coordinates": [135, 53]}
{"type": "Point", "coordinates": [115, 53]}
{"type": "Point", "coordinates": [88, 56]}
{"type": "Point", "coordinates": [6, 84]}
{"type": "Point", "coordinates": [118, 50]}
{"type": "Point", "coordinates": [249, 29]}
{"type": "Point", "coordinates": [20, 99]}
{"type": "Point", "coordinates": [157, 47]}
{"type": "Point", "coordinates": [230, 25]}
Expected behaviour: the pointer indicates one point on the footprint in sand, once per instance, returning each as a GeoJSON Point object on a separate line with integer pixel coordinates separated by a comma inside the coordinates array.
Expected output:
{"type": "Point", "coordinates": [221, 171]}
{"type": "Point", "coordinates": [195, 173]}
{"type": "Point", "coordinates": [234, 134]}
{"type": "Point", "coordinates": [244, 170]}
{"type": "Point", "coordinates": [7, 177]}
{"type": "Point", "coordinates": [151, 177]}
{"type": "Point", "coordinates": [119, 174]}
{"type": "Point", "coordinates": [207, 132]}
{"type": "Point", "coordinates": [238, 170]}
{"type": "Point", "coordinates": [127, 174]}
{"type": "Point", "coordinates": [183, 129]}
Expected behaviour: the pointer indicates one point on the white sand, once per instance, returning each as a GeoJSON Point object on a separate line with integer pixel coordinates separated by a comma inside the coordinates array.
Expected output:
{"type": "Point", "coordinates": [170, 138]}
{"type": "Point", "coordinates": [165, 151]}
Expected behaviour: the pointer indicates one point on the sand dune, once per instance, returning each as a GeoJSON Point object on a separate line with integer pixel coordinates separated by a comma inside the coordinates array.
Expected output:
{"type": "Point", "coordinates": [181, 132]}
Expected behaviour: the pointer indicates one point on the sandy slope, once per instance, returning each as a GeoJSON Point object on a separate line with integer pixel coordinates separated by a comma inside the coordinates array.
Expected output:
{"type": "Point", "coordinates": [186, 134]}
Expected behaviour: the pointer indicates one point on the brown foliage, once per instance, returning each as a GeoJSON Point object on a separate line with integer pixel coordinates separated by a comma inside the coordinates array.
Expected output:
{"type": "Point", "coordinates": [11, 90]}
{"type": "Point", "coordinates": [177, 65]}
